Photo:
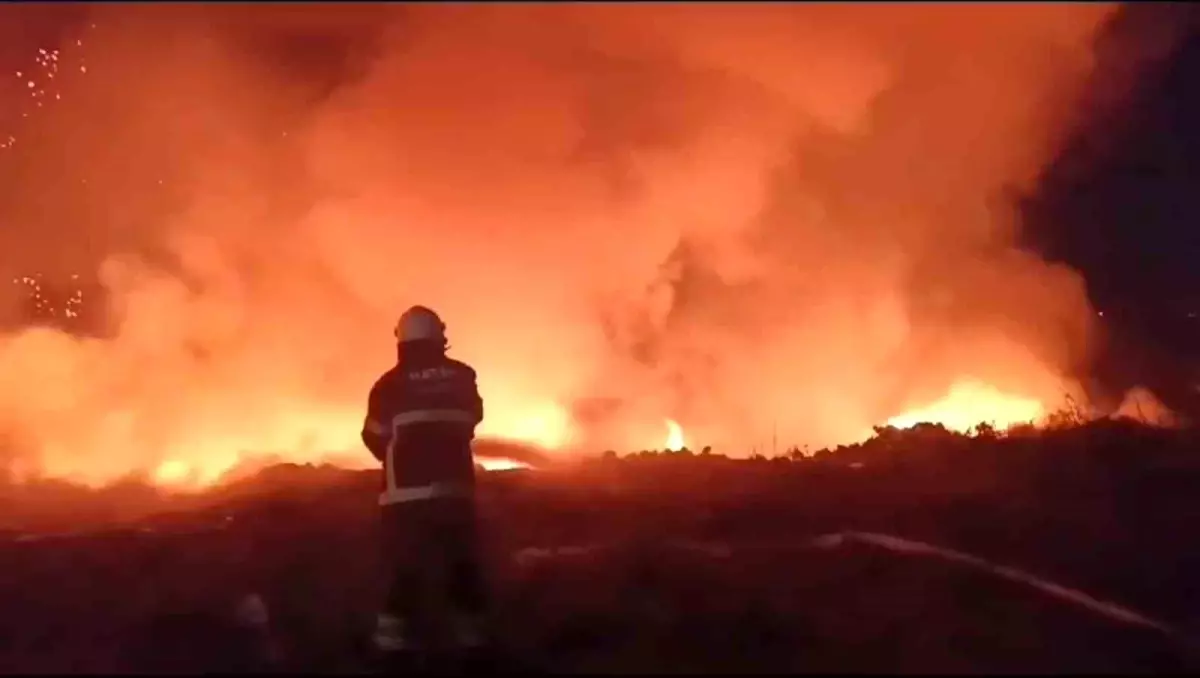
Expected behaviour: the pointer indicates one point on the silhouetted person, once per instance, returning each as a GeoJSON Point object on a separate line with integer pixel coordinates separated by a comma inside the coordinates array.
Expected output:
{"type": "Point", "coordinates": [421, 418]}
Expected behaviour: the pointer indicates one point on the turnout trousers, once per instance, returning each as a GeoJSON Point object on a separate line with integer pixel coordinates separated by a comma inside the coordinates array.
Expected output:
{"type": "Point", "coordinates": [436, 588]}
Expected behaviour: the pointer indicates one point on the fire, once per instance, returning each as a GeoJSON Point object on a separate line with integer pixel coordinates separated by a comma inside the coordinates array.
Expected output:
{"type": "Point", "coordinates": [970, 403]}
{"type": "Point", "coordinates": [180, 475]}
{"type": "Point", "coordinates": [501, 464]}
{"type": "Point", "coordinates": [675, 440]}
{"type": "Point", "coordinates": [320, 437]}
{"type": "Point", "coordinates": [173, 472]}
{"type": "Point", "coordinates": [546, 425]}
{"type": "Point", "coordinates": [316, 435]}
{"type": "Point", "coordinates": [250, 257]}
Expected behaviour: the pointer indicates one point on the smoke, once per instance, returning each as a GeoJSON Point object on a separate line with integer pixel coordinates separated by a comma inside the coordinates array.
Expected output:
{"type": "Point", "coordinates": [758, 220]}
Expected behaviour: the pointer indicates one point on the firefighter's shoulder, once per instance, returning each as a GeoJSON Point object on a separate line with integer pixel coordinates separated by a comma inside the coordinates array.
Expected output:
{"type": "Point", "coordinates": [388, 382]}
{"type": "Point", "coordinates": [462, 368]}
{"type": "Point", "coordinates": [392, 376]}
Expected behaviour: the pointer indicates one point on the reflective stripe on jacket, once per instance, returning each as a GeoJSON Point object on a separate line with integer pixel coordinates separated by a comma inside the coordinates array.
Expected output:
{"type": "Point", "coordinates": [421, 418]}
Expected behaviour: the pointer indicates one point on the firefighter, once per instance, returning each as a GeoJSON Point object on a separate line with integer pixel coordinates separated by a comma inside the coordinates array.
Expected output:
{"type": "Point", "coordinates": [421, 418]}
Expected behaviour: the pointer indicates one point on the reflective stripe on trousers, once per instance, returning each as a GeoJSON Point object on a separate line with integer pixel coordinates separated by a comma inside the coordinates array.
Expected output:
{"type": "Point", "coordinates": [428, 416]}
{"type": "Point", "coordinates": [389, 633]}
{"type": "Point", "coordinates": [399, 495]}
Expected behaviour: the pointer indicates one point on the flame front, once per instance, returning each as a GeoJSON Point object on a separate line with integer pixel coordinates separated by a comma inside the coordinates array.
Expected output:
{"type": "Point", "coordinates": [675, 440]}
{"type": "Point", "coordinates": [331, 436]}
{"type": "Point", "coordinates": [969, 404]}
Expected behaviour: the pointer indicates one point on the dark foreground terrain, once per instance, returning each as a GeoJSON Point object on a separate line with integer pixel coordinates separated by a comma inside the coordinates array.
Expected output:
{"type": "Point", "coordinates": [674, 563]}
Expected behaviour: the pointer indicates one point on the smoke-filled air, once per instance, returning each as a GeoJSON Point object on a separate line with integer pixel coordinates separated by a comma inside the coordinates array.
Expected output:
{"type": "Point", "coordinates": [768, 225]}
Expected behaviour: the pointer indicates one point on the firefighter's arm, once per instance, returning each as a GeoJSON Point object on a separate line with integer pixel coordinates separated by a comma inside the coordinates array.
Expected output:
{"type": "Point", "coordinates": [474, 400]}
{"type": "Point", "coordinates": [377, 431]}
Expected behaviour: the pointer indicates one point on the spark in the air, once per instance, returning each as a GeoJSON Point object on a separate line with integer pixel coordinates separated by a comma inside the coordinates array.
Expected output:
{"type": "Point", "coordinates": [41, 84]}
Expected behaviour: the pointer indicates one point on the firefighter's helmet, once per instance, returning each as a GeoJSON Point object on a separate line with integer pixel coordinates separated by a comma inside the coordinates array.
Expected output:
{"type": "Point", "coordinates": [420, 323]}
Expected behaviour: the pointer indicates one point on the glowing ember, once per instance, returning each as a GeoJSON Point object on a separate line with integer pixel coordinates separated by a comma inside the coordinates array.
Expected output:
{"type": "Point", "coordinates": [675, 440]}
{"type": "Point", "coordinates": [970, 403]}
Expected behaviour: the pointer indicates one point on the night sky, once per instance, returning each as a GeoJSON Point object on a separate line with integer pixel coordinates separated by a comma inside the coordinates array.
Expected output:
{"type": "Point", "coordinates": [1122, 205]}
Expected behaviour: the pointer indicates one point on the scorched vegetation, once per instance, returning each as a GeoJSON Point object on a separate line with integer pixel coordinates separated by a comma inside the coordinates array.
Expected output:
{"type": "Point", "coordinates": [670, 561]}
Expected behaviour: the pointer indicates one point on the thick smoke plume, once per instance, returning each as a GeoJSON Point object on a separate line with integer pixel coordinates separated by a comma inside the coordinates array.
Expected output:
{"type": "Point", "coordinates": [767, 222]}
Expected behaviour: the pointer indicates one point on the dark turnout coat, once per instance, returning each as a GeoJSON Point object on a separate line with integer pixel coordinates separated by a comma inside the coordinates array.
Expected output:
{"type": "Point", "coordinates": [421, 418]}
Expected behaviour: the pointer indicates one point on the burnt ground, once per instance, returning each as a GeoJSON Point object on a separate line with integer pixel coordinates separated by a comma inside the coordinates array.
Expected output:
{"type": "Point", "coordinates": [680, 563]}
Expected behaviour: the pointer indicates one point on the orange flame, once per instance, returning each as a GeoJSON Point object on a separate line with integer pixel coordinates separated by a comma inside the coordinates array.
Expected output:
{"type": "Point", "coordinates": [675, 441]}
{"type": "Point", "coordinates": [971, 403]}
{"type": "Point", "coordinates": [502, 464]}
{"type": "Point", "coordinates": [211, 458]}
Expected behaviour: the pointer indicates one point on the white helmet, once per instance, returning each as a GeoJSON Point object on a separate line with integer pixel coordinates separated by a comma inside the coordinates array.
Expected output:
{"type": "Point", "coordinates": [420, 323]}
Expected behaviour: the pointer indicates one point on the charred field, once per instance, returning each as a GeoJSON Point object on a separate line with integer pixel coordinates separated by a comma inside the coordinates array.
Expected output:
{"type": "Point", "coordinates": [654, 562]}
